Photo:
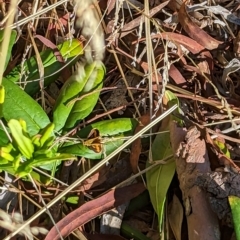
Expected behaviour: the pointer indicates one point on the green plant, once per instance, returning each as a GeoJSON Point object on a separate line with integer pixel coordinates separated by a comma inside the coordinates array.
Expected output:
{"type": "Point", "coordinates": [24, 152]}
{"type": "Point", "coordinates": [28, 139]}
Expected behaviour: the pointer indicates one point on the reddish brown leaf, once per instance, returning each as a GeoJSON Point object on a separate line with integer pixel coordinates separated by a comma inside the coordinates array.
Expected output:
{"type": "Point", "coordinates": [46, 41]}
{"type": "Point", "coordinates": [94, 208]}
{"type": "Point", "coordinates": [190, 44]}
{"type": "Point", "coordinates": [174, 5]}
{"type": "Point", "coordinates": [111, 5]}
{"type": "Point", "coordinates": [176, 75]}
{"type": "Point", "coordinates": [187, 42]}
{"type": "Point", "coordinates": [62, 22]}
{"type": "Point", "coordinates": [136, 145]}
{"type": "Point", "coordinates": [51, 45]}
{"type": "Point", "coordinates": [196, 32]}
{"type": "Point", "coordinates": [95, 180]}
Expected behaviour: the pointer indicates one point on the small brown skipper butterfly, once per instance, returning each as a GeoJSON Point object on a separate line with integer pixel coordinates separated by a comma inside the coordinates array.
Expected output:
{"type": "Point", "coordinates": [93, 141]}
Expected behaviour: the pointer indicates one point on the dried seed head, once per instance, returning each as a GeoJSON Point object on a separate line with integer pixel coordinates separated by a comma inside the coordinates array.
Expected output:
{"type": "Point", "coordinates": [91, 29]}
{"type": "Point", "coordinates": [12, 223]}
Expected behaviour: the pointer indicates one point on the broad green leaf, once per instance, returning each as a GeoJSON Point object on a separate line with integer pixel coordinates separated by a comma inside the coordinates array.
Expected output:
{"type": "Point", "coordinates": [3, 161]}
{"type": "Point", "coordinates": [19, 105]}
{"type": "Point", "coordinates": [9, 52]}
{"type": "Point", "coordinates": [46, 134]}
{"type": "Point", "coordinates": [57, 157]}
{"type": "Point", "coordinates": [112, 133]}
{"type": "Point", "coordinates": [8, 168]}
{"type": "Point", "coordinates": [84, 106]}
{"type": "Point", "coordinates": [30, 76]}
{"type": "Point", "coordinates": [110, 127]}
{"type": "Point", "coordinates": [10, 45]}
{"type": "Point", "coordinates": [26, 167]}
{"type": "Point", "coordinates": [160, 177]}
{"type": "Point", "coordinates": [69, 91]}
{"type": "Point", "coordinates": [235, 208]}
{"type": "Point", "coordinates": [71, 106]}
{"type": "Point", "coordinates": [20, 138]}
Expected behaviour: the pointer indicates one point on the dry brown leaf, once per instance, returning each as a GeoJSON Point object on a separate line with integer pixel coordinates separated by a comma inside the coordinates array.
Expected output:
{"type": "Point", "coordinates": [187, 42]}
{"type": "Point", "coordinates": [136, 145]}
{"type": "Point", "coordinates": [190, 44]}
{"type": "Point", "coordinates": [196, 32]}
{"type": "Point", "coordinates": [175, 216]}
{"type": "Point", "coordinates": [176, 75]}
{"type": "Point", "coordinates": [95, 180]}
{"type": "Point", "coordinates": [94, 208]}
{"type": "Point", "coordinates": [111, 5]}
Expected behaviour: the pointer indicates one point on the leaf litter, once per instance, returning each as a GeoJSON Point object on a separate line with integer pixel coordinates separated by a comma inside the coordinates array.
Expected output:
{"type": "Point", "coordinates": [195, 50]}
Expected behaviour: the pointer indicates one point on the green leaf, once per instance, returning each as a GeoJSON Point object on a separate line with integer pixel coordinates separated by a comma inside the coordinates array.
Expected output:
{"type": "Point", "coordinates": [132, 233]}
{"type": "Point", "coordinates": [46, 134]}
{"type": "Point", "coordinates": [3, 161]}
{"type": "Point", "coordinates": [71, 105]}
{"type": "Point", "coordinates": [172, 99]}
{"type": "Point", "coordinates": [8, 168]}
{"type": "Point", "coordinates": [160, 177]}
{"type": "Point", "coordinates": [30, 79]}
{"type": "Point", "coordinates": [57, 157]}
{"type": "Point", "coordinates": [72, 199]}
{"type": "Point", "coordinates": [82, 108]}
{"type": "Point", "coordinates": [3, 137]}
{"type": "Point", "coordinates": [26, 167]}
{"type": "Point", "coordinates": [61, 110]}
{"type": "Point", "coordinates": [21, 139]}
{"type": "Point", "coordinates": [112, 133]}
{"type": "Point", "coordinates": [235, 208]}
{"type": "Point", "coordinates": [10, 44]}
{"type": "Point", "coordinates": [110, 127]}
{"type": "Point", "coordinates": [38, 177]}
{"type": "Point", "coordinates": [223, 147]}
{"type": "Point", "coordinates": [19, 105]}
{"type": "Point", "coordinates": [137, 203]}
{"type": "Point", "coordinates": [2, 99]}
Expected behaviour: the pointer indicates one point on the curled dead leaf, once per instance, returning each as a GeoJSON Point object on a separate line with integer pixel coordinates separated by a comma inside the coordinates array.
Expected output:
{"type": "Point", "coordinates": [136, 145]}
{"type": "Point", "coordinates": [196, 32]}
{"type": "Point", "coordinates": [94, 208]}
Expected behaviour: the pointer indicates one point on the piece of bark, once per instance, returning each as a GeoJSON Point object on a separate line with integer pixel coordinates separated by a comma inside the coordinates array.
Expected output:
{"type": "Point", "coordinates": [191, 159]}
{"type": "Point", "coordinates": [220, 185]}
